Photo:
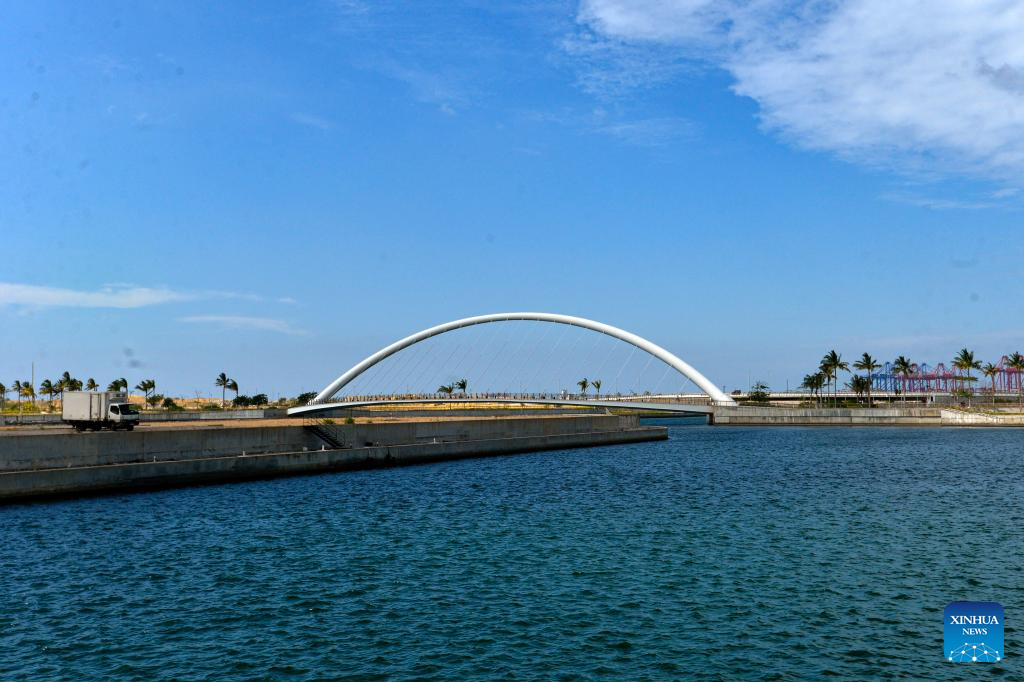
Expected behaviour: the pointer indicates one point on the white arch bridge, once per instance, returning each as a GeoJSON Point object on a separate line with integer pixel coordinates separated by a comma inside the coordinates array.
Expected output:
{"type": "Point", "coordinates": [328, 399]}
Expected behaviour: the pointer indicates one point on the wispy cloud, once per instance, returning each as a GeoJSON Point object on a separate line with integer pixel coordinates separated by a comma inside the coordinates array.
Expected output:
{"type": "Point", "coordinates": [614, 68]}
{"type": "Point", "coordinates": [640, 132]}
{"type": "Point", "coordinates": [106, 297]}
{"type": "Point", "coordinates": [311, 121]}
{"type": "Point", "coordinates": [442, 89]}
{"type": "Point", "coordinates": [649, 132]}
{"type": "Point", "coordinates": [919, 85]}
{"type": "Point", "coordinates": [244, 322]}
{"type": "Point", "coordinates": [937, 204]}
{"type": "Point", "coordinates": [351, 6]}
{"type": "Point", "coordinates": [112, 296]}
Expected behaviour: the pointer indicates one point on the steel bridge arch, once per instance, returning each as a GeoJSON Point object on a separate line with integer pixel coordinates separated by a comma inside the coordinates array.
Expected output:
{"type": "Point", "coordinates": [716, 394]}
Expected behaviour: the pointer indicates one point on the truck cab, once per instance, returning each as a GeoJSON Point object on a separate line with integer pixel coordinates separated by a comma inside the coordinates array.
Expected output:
{"type": "Point", "coordinates": [123, 413]}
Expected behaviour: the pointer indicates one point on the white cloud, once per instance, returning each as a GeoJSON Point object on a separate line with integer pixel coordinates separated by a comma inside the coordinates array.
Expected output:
{"type": "Point", "coordinates": [920, 85]}
{"type": "Point", "coordinates": [442, 89]}
{"type": "Point", "coordinates": [106, 297]}
{"type": "Point", "coordinates": [657, 20]}
{"type": "Point", "coordinates": [243, 322]}
{"type": "Point", "coordinates": [939, 204]}
{"type": "Point", "coordinates": [119, 295]}
{"type": "Point", "coordinates": [311, 121]}
{"type": "Point", "coordinates": [648, 132]}
{"type": "Point", "coordinates": [640, 132]}
{"type": "Point", "coordinates": [612, 68]}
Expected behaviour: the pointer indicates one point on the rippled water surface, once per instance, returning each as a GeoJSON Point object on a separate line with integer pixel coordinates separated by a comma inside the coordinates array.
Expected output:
{"type": "Point", "coordinates": [723, 553]}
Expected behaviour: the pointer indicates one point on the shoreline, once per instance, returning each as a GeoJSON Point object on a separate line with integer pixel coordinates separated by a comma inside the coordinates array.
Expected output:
{"type": "Point", "coordinates": [41, 466]}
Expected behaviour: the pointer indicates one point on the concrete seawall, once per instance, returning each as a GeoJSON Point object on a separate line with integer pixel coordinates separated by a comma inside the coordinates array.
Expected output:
{"type": "Point", "coordinates": [66, 464]}
{"type": "Point", "coordinates": [147, 416]}
{"type": "Point", "coordinates": [785, 416]}
{"type": "Point", "coordinates": [966, 418]}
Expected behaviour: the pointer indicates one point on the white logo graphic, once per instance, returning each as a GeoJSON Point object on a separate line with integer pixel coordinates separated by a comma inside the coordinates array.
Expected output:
{"type": "Point", "coordinates": [973, 652]}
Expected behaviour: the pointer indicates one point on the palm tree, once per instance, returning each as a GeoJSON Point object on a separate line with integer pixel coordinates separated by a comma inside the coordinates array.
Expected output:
{"type": "Point", "coordinates": [584, 384]}
{"type": "Point", "coordinates": [867, 364]}
{"type": "Point", "coordinates": [29, 391]}
{"type": "Point", "coordinates": [118, 385]}
{"type": "Point", "coordinates": [146, 385]}
{"type": "Point", "coordinates": [991, 371]}
{"type": "Point", "coordinates": [447, 389]}
{"type": "Point", "coordinates": [596, 383]}
{"type": "Point", "coordinates": [903, 367]}
{"type": "Point", "coordinates": [1016, 361]}
{"type": "Point", "coordinates": [813, 383]}
{"type": "Point", "coordinates": [47, 388]}
{"type": "Point", "coordinates": [965, 362]}
{"type": "Point", "coordinates": [16, 388]}
{"type": "Point", "coordinates": [462, 385]}
{"type": "Point", "coordinates": [859, 384]}
{"type": "Point", "coordinates": [3, 396]}
{"type": "Point", "coordinates": [827, 372]}
{"type": "Point", "coordinates": [91, 384]}
{"type": "Point", "coordinates": [233, 386]}
{"type": "Point", "coordinates": [833, 362]}
{"type": "Point", "coordinates": [225, 383]}
{"type": "Point", "coordinates": [70, 383]}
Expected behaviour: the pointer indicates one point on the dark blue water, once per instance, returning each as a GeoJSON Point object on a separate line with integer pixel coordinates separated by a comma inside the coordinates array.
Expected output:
{"type": "Point", "coordinates": [721, 554]}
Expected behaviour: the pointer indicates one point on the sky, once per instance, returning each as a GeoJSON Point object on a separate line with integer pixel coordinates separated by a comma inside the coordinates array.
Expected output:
{"type": "Point", "coordinates": [276, 190]}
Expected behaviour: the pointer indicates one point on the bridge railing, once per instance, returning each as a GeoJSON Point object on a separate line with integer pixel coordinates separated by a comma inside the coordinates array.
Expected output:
{"type": "Point", "coordinates": [513, 396]}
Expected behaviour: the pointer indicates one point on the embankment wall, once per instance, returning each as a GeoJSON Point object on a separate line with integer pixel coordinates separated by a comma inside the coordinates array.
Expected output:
{"type": "Point", "coordinates": [76, 463]}
{"type": "Point", "coordinates": [782, 416]}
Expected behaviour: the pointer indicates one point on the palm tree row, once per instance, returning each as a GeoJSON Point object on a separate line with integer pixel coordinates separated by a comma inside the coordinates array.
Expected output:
{"type": "Point", "coordinates": [828, 376]}
{"type": "Point", "coordinates": [965, 362]}
{"type": "Point", "coordinates": [21, 389]}
{"type": "Point", "coordinates": [47, 387]}
{"type": "Point", "coordinates": [448, 389]}
{"type": "Point", "coordinates": [55, 389]}
{"type": "Point", "coordinates": [586, 383]}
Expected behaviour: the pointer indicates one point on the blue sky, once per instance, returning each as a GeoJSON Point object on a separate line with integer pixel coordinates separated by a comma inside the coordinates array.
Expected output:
{"type": "Point", "coordinates": [276, 190]}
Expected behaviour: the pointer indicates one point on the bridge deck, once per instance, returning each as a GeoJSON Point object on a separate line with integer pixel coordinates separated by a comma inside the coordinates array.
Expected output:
{"type": "Point", "coordinates": [677, 408]}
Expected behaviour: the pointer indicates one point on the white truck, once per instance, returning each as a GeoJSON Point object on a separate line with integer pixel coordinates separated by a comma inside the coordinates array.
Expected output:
{"type": "Point", "coordinates": [94, 410]}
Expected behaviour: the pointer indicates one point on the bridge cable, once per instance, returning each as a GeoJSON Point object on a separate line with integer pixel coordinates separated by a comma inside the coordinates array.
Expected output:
{"type": "Point", "coordinates": [407, 362]}
{"type": "Point", "coordinates": [587, 358]}
{"type": "Point", "coordinates": [640, 376]}
{"type": "Point", "coordinates": [540, 344]}
{"type": "Point", "coordinates": [378, 383]}
{"type": "Point", "coordinates": [460, 361]}
{"type": "Point", "coordinates": [575, 343]}
{"type": "Point", "coordinates": [511, 356]}
{"type": "Point", "coordinates": [493, 357]}
{"type": "Point", "coordinates": [484, 355]}
{"type": "Point", "coordinates": [661, 379]}
{"type": "Point", "coordinates": [624, 365]}
{"type": "Point", "coordinates": [421, 375]}
{"type": "Point", "coordinates": [564, 329]}
{"type": "Point", "coordinates": [613, 348]}
{"type": "Point", "coordinates": [383, 375]}
{"type": "Point", "coordinates": [365, 382]}
{"type": "Point", "coordinates": [449, 358]}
